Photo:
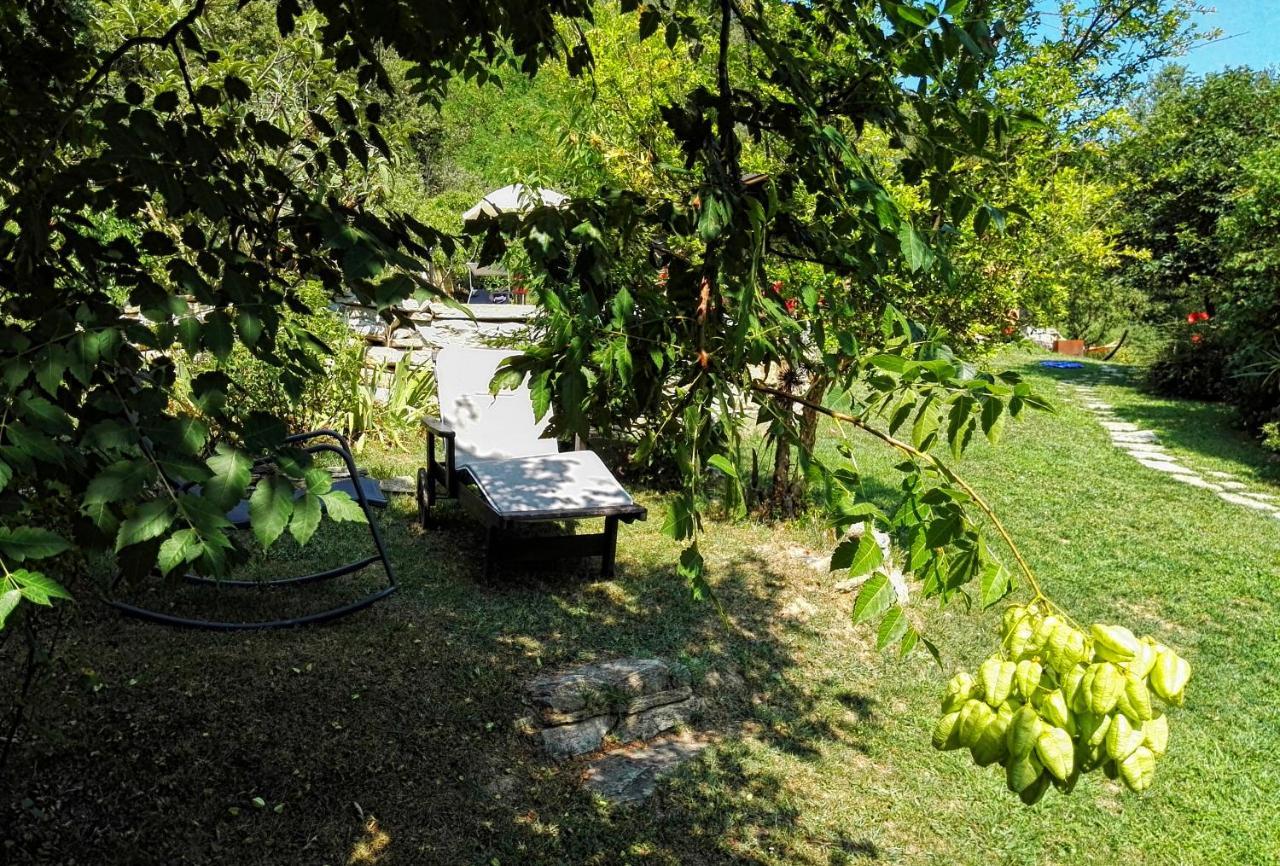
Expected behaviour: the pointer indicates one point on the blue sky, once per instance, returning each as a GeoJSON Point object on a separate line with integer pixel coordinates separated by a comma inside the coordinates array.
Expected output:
{"type": "Point", "coordinates": [1253, 28]}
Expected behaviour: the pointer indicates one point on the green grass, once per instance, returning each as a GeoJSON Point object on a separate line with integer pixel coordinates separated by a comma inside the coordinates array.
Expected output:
{"type": "Point", "coordinates": [404, 714]}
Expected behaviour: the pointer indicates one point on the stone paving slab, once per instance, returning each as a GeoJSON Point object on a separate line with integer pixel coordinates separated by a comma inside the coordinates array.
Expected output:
{"type": "Point", "coordinates": [629, 776]}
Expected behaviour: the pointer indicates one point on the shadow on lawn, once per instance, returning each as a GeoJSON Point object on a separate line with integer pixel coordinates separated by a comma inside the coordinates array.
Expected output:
{"type": "Point", "coordinates": [389, 738]}
{"type": "Point", "coordinates": [1210, 429]}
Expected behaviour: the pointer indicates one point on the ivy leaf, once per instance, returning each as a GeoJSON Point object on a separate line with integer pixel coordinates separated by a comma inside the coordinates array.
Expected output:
{"type": "Point", "coordinates": [306, 517]}
{"type": "Point", "coordinates": [29, 542]}
{"type": "Point", "coordinates": [875, 597]}
{"type": "Point", "coordinates": [993, 419]}
{"type": "Point", "coordinates": [8, 603]}
{"type": "Point", "coordinates": [37, 587]}
{"type": "Point", "coordinates": [148, 522]}
{"type": "Point", "coordinates": [859, 556]}
{"type": "Point", "coordinates": [270, 507]}
{"type": "Point", "coordinates": [232, 471]}
{"type": "Point", "coordinates": [892, 627]}
{"type": "Point", "coordinates": [995, 583]}
{"type": "Point", "coordinates": [179, 549]}
{"type": "Point", "coordinates": [342, 507]}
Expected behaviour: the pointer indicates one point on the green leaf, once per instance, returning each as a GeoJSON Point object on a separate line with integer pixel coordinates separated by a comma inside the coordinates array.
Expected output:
{"type": "Point", "coordinates": [859, 557]}
{"type": "Point", "coordinates": [914, 248]}
{"type": "Point", "coordinates": [925, 430]}
{"type": "Point", "coordinates": [306, 517]}
{"type": "Point", "coordinates": [875, 597]}
{"type": "Point", "coordinates": [6, 475]}
{"type": "Point", "coordinates": [892, 627]}
{"type": "Point", "coordinates": [120, 480]}
{"type": "Point", "coordinates": [993, 419]}
{"type": "Point", "coordinates": [693, 570]}
{"type": "Point", "coordinates": [232, 470]}
{"type": "Point", "coordinates": [892, 363]}
{"type": "Point", "coordinates": [270, 507]}
{"type": "Point", "coordinates": [218, 337]}
{"type": "Point", "coordinates": [149, 521]}
{"type": "Point", "coordinates": [995, 583]}
{"type": "Point", "coordinates": [342, 507]}
{"type": "Point", "coordinates": [29, 542]}
{"type": "Point", "coordinates": [179, 549]}
{"type": "Point", "coordinates": [38, 587]}
{"type": "Point", "coordinates": [8, 603]}
{"type": "Point", "coordinates": [724, 464]}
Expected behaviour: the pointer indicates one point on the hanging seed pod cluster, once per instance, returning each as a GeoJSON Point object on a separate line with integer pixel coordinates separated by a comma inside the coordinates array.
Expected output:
{"type": "Point", "coordinates": [1056, 702]}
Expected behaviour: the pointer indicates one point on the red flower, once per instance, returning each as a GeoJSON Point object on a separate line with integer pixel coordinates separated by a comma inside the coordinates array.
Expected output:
{"type": "Point", "coordinates": [791, 303]}
{"type": "Point", "coordinates": [777, 285]}
{"type": "Point", "coordinates": [1193, 318]}
{"type": "Point", "coordinates": [1197, 337]}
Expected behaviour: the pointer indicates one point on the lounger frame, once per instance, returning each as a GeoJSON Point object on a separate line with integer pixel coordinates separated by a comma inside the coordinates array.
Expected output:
{"type": "Point", "coordinates": [502, 547]}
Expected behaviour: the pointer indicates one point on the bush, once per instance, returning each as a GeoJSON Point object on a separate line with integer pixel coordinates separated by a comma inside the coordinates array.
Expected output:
{"type": "Point", "coordinates": [326, 400]}
{"type": "Point", "coordinates": [1192, 366]}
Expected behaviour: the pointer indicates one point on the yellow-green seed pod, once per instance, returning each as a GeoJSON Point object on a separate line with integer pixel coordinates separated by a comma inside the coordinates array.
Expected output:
{"type": "Point", "coordinates": [1103, 683]}
{"type": "Point", "coordinates": [1013, 614]}
{"type": "Point", "coordinates": [1053, 706]}
{"type": "Point", "coordinates": [1044, 628]}
{"type": "Point", "coordinates": [1098, 735]}
{"type": "Point", "coordinates": [1022, 773]}
{"type": "Point", "coordinates": [1143, 660]}
{"type": "Point", "coordinates": [1155, 734]}
{"type": "Point", "coordinates": [946, 733]}
{"type": "Point", "coordinates": [1077, 697]}
{"type": "Point", "coordinates": [1169, 676]}
{"type": "Point", "coordinates": [1018, 642]}
{"type": "Point", "coordinates": [1122, 738]}
{"type": "Point", "coordinates": [1113, 643]}
{"type": "Point", "coordinates": [959, 690]}
{"type": "Point", "coordinates": [990, 745]}
{"type": "Point", "coordinates": [1136, 699]}
{"type": "Point", "coordinates": [974, 718]}
{"type": "Point", "coordinates": [1056, 751]}
{"type": "Point", "coordinates": [1031, 794]}
{"type": "Point", "coordinates": [1139, 769]}
{"type": "Point", "coordinates": [1024, 730]}
{"type": "Point", "coordinates": [996, 679]}
{"type": "Point", "coordinates": [1027, 678]}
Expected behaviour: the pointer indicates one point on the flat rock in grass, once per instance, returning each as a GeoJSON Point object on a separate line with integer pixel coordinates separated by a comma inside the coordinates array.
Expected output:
{"type": "Point", "coordinates": [399, 484]}
{"type": "Point", "coordinates": [1196, 481]}
{"type": "Point", "coordinates": [1132, 436]}
{"type": "Point", "coordinates": [1234, 485]}
{"type": "Point", "coordinates": [630, 776]}
{"type": "Point", "coordinates": [648, 724]}
{"type": "Point", "coordinates": [579, 738]}
{"type": "Point", "coordinates": [1246, 501]}
{"type": "Point", "coordinates": [1164, 466]}
{"type": "Point", "coordinates": [1121, 426]}
{"type": "Point", "coordinates": [606, 687]}
{"type": "Point", "coordinates": [1218, 474]}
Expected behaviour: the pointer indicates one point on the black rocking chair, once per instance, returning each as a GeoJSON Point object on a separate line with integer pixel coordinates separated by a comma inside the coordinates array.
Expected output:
{"type": "Point", "coordinates": [366, 494]}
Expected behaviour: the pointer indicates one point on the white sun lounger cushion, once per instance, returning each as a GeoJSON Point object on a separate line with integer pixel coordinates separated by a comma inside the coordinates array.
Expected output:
{"type": "Point", "coordinates": [572, 484]}
{"type": "Point", "coordinates": [488, 426]}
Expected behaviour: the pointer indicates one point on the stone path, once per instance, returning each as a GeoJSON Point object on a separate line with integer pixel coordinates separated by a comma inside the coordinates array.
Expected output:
{"type": "Point", "coordinates": [1144, 447]}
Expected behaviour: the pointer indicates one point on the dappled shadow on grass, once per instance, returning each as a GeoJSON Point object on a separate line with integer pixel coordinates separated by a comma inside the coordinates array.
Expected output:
{"type": "Point", "coordinates": [169, 746]}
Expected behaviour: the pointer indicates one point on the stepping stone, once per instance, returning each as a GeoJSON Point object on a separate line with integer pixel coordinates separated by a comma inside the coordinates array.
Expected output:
{"type": "Point", "coordinates": [1237, 499]}
{"type": "Point", "coordinates": [1133, 436]}
{"type": "Point", "coordinates": [1197, 481]}
{"type": "Point", "coordinates": [1217, 474]}
{"type": "Point", "coordinates": [630, 776]}
{"type": "Point", "coordinates": [1234, 485]}
{"type": "Point", "coordinates": [1165, 466]}
{"type": "Point", "coordinates": [1121, 427]}
{"type": "Point", "coordinates": [1094, 404]}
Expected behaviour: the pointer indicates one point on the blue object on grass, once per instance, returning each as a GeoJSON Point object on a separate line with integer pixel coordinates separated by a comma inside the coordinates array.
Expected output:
{"type": "Point", "coordinates": [1062, 365]}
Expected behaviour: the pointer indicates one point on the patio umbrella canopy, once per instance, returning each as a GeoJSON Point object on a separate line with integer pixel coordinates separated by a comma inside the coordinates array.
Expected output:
{"type": "Point", "coordinates": [515, 198]}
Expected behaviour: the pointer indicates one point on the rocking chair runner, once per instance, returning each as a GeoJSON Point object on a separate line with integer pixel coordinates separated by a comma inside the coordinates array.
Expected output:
{"type": "Point", "coordinates": [366, 495]}
{"type": "Point", "coordinates": [507, 475]}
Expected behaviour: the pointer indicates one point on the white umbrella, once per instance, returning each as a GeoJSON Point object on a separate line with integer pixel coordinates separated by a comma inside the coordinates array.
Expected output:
{"type": "Point", "coordinates": [515, 198]}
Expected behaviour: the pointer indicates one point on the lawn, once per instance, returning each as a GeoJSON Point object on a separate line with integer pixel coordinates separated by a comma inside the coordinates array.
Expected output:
{"type": "Point", "coordinates": [389, 737]}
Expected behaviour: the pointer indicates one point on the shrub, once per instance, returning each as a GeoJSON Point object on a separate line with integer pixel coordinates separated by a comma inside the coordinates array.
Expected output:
{"type": "Point", "coordinates": [1192, 366]}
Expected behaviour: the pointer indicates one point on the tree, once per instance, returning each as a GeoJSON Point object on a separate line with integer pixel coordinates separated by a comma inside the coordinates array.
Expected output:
{"type": "Point", "coordinates": [658, 294]}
